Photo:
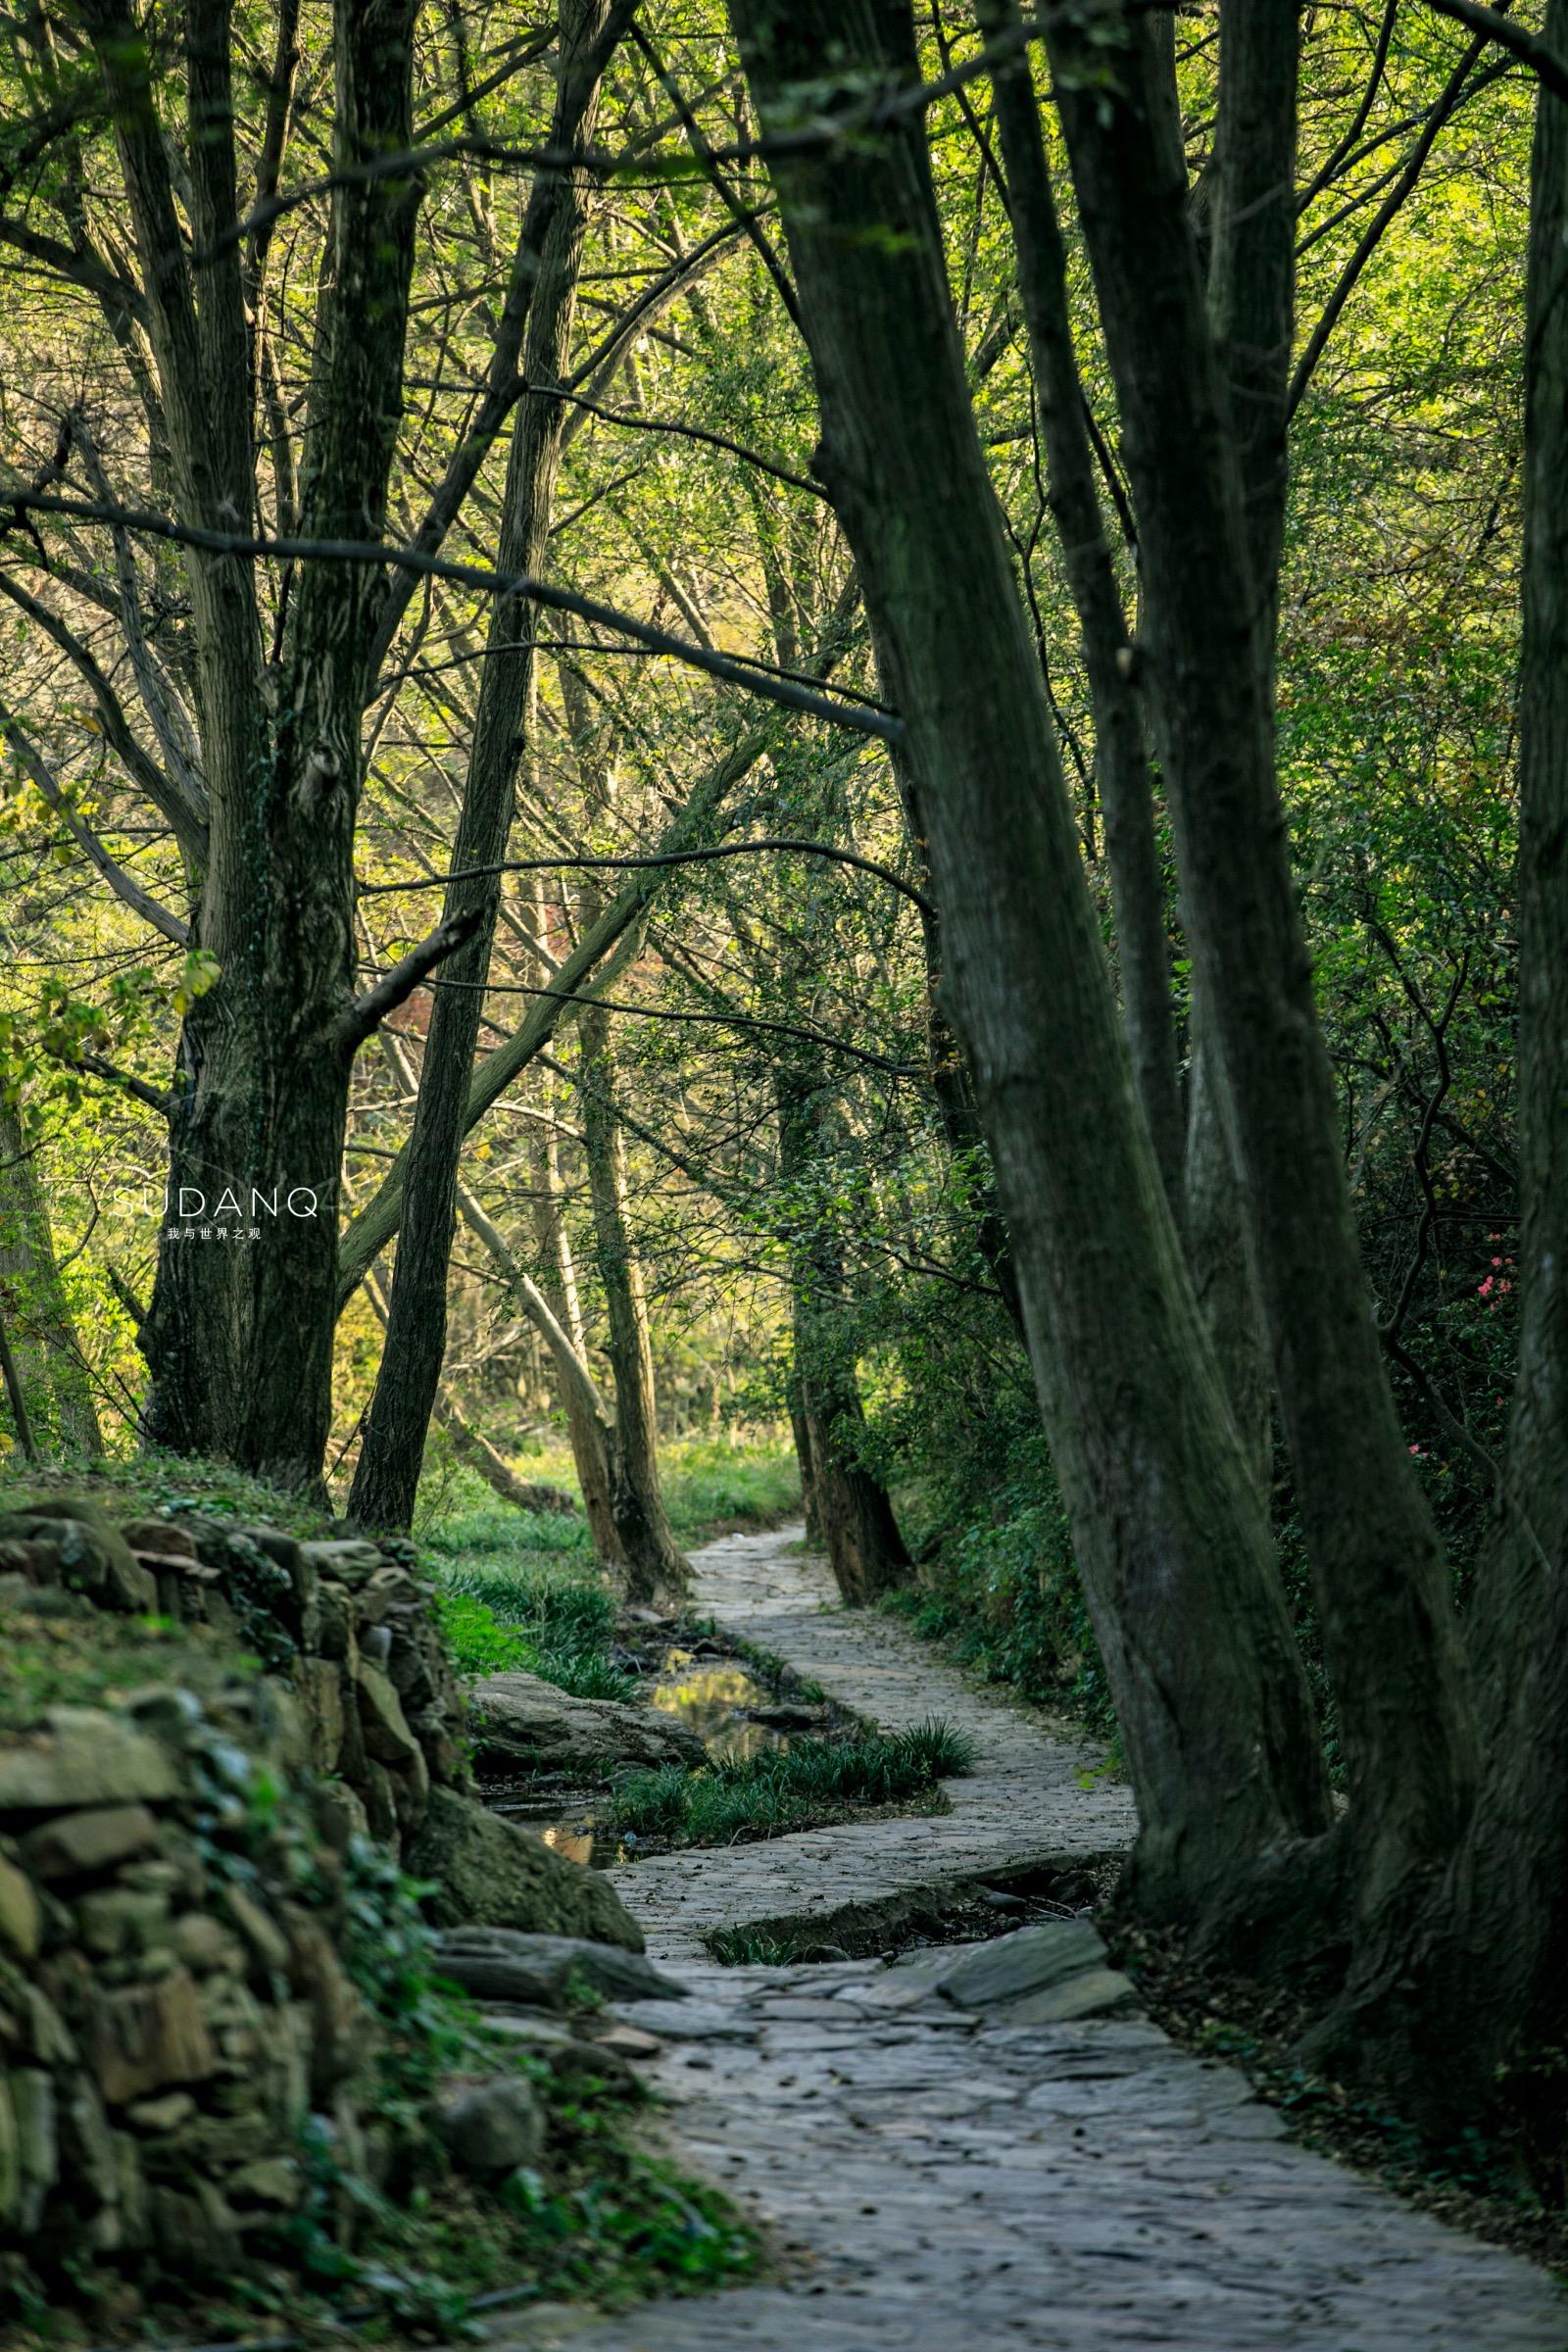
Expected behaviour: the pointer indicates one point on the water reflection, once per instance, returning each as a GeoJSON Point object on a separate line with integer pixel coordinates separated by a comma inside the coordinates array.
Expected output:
{"type": "Point", "coordinates": [712, 1697]}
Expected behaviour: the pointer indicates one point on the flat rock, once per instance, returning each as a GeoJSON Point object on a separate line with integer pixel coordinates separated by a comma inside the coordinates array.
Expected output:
{"type": "Point", "coordinates": [1031, 1961]}
{"type": "Point", "coordinates": [487, 1871]}
{"type": "Point", "coordinates": [82, 1756]}
{"type": "Point", "coordinates": [80, 1843]}
{"type": "Point", "coordinates": [497, 1965]}
{"type": "Point", "coordinates": [694, 2020]}
{"type": "Point", "coordinates": [529, 1722]}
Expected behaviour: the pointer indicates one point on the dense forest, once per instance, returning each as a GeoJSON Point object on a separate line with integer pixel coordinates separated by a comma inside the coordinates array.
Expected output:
{"type": "Point", "coordinates": [847, 724]}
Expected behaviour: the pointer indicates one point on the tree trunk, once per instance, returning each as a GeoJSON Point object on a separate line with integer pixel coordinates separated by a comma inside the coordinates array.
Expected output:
{"type": "Point", "coordinates": [49, 1361]}
{"type": "Point", "coordinates": [805, 1457]}
{"type": "Point", "coordinates": [1383, 1599]}
{"type": "Point", "coordinates": [388, 1474]}
{"type": "Point", "coordinates": [239, 1336]}
{"type": "Point", "coordinates": [470, 1447]}
{"type": "Point", "coordinates": [1219, 1255]}
{"type": "Point", "coordinates": [11, 1378]}
{"type": "Point", "coordinates": [1121, 760]}
{"type": "Point", "coordinates": [656, 1566]}
{"type": "Point", "coordinates": [589, 1449]}
{"type": "Point", "coordinates": [855, 1521]}
{"type": "Point", "coordinates": [1167, 1526]}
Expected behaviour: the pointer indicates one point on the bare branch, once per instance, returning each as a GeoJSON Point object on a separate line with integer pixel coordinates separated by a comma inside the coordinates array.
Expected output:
{"type": "Point", "coordinates": [729, 849]}
{"type": "Point", "coordinates": [120, 882]}
{"type": "Point", "coordinates": [187, 818]}
{"type": "Point", "coordinates": [735, 670]}
{"type": "Point", "coordinates": [394, 987]}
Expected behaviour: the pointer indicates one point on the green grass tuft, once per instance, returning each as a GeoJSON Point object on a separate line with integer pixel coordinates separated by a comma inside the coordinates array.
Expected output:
{"type": "Point", "coordinates": [786, 1788]}
{"type": "Point", "coordinates": [505, 1609]}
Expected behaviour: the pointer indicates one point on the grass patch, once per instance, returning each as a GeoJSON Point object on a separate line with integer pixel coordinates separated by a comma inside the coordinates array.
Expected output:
{"type": "Point", "coordinates": [711, 1485]}
{"type": "Point", "coordinates": [155, 1484]}
{"type": "Point", "coordinates": [753, 1947]}
{"type": "Point", "coordinates": [85, 1659]}
{"type": "Point", "coordinates": [506, 1606]}
{"type": "Point", "coordinates": [788, 1788]}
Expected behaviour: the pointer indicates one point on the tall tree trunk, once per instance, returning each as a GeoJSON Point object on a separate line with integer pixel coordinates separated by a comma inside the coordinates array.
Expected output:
{"type": "Point", "coordinates": [239, 1336]}
{"type": "Point", "coordinates": [49, 1360]}
{"type": "Point", "coordinates": [656, 1566]}
{"type": "Point", "coordinates": [590, 1450]}
{"type": "Point", "coordinates": [388, 1474]}
{"type": "Point", "coordinates": [1219, 1252]}
{"type": "Point", "coordinates": [855, 1520]}
{"type": "Point", "coordinates": [1126, 794]}
{"type": "Point", "coordinates": [1167, 1527]}
{"type": "Point", "coordinates": [1383, 1600]}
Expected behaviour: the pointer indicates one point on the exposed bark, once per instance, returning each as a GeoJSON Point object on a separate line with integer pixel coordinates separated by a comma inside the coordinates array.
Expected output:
{"type": "Point", "coordinates": [656, 1566]}
{"type": "Point", "coordinates": [388, 1473]}
{"type": "Point", "coordinates": [1166, 1523]}
{"type": "Point", "coordinates": [49, 1361]}
{"type": "Point", "coordinates": [1219, 1255]}
{"type": "Point", "coordinates": [1383, 1600]}
{"type": "Point", "coordinates": [855, 1521]}
{"type": "Point", "coordinates": [1121, 760]}
{"type": "Point", "coordinates": [805, 1457]}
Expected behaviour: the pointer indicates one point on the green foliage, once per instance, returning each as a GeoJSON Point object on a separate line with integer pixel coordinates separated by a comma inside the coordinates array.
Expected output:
{"type": "Point", "coordinates": [1001, 1586]}
{"type": "Point", "coordinates": [709, 1485]}
{"type": "Point", "coordinates": [788, 1788]}
{"type": "Point", "coordinates": [506, 1606]}
{"type": "Point", "coordinates": [752, 1947]}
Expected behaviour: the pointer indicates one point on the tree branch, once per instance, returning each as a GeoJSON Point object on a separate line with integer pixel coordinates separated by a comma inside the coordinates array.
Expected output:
{"type": "Point", "coordinates": [734, 669]}
{"type": "Point", "coordinates": [187, 820]}
{"type": "Point", "coordinates": [730, 848]}
{"type": "Point", "coordinates": [1490, 25]}
{"type": "Point", "coordinates": [394, 987]}
{"type": "Point", "coordinates": [120, 882]}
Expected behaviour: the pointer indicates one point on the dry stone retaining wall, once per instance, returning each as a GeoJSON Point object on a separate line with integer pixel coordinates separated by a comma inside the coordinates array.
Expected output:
{"type": "Point", "coordinates": [172, 2007]}
{"type": "Point", "coordinates": [349, 1624]}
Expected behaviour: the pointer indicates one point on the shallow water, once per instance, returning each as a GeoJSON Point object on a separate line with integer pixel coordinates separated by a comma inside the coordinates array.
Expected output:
{"type": "Point", "coordinates": [710, 1697]}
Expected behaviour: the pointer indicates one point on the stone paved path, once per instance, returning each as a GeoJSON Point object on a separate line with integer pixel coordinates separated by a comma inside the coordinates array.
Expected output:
{"type": "Point", "coordinates": [1024, 1804]}
{"type": "Point", "coordinates": [942, 2181]}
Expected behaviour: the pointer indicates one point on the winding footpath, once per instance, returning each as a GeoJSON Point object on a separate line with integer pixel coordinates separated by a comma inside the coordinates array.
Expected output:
{"type": "Point", "coordinates": [940, 2174]}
